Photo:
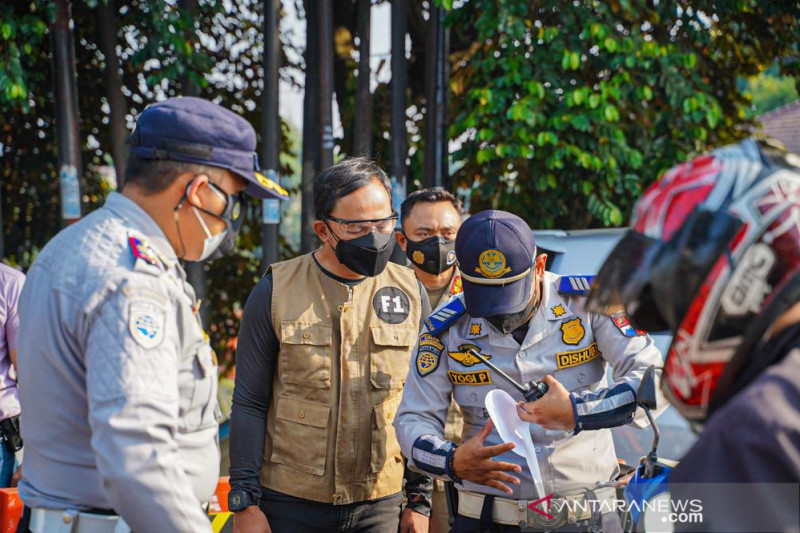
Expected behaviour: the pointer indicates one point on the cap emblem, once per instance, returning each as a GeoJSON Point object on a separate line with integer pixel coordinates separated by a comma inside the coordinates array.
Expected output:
{"type": "Point", "coordinates": [492, 264]}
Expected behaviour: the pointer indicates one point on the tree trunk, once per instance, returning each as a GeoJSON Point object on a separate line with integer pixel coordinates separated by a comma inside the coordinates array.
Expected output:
{"type": "Point", "coordinates": [113, 85]}
{"type": "Point", "coordinates": [399, 150]}
{"type": "Point", "coordinates": [66, 103]}
{"type": "Point", "coordinates": [325, 44]}
{"type": "Point", "coordinates": [311, 128]}
{"type": "Point", "coordinates": [270, 121]}
{"type": "Point", "coordinates": [436, 148]}
{"type": "Point", "coordinates": [362, 135]}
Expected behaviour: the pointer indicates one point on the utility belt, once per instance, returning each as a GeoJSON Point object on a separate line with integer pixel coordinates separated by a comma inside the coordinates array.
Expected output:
{"type": "Point", "coordinates": [9, 430]}
{"type": "Point", "coordinates": [564, 509]}
{"type": "Point", "coordinates": [72, 521]}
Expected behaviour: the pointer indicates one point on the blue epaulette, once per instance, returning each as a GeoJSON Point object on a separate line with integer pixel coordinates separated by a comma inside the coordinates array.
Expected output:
{"type": "Point", "coordinates": [444, 316]}
{"type": "Point", "coordinates": [578, 285]}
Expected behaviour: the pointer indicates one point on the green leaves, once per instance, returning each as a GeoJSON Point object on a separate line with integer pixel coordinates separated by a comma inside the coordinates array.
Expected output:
{"type": "Point", "coordinates": [570, 60]}
{"type": "Point", "coordinates": [599, 98]}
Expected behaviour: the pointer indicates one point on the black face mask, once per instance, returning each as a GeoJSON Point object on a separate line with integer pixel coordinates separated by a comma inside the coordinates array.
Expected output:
{"type": "Point", "coordinates": [365, 255]}
{"type": "Point", "coordinates": [508, 323]}
{"type": "Point", "coordinates": [433, 255]}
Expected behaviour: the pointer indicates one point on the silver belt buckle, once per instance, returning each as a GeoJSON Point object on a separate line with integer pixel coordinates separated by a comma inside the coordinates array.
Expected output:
{"type": "Point", "coordinates": [558, 510]}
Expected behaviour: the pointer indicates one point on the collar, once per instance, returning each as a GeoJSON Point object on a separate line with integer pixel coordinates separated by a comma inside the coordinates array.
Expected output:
{"type": "Point", "coordinates": [141, 222]}
{"type": "Point", "coordinates": [553, 306]}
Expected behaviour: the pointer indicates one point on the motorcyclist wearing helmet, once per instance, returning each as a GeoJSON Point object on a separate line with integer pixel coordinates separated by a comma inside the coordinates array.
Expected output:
{"type": "Point", "coordinates": [714, 257]}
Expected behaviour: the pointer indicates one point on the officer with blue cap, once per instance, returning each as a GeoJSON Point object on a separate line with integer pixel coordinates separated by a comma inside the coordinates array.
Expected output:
{"type": "Point", "coordinates": [531, 325]}
{"type": "Point", "coordinates": [117, 378]}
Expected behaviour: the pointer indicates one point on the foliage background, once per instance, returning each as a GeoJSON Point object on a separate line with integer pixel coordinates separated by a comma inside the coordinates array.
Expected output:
{"type": "Point", "coordinates": [570, 109]}
{"type": "Point", "coordinates": [562, 112]}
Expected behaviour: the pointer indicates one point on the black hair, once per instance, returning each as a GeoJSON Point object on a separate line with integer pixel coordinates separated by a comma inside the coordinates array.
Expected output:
{"type": "Point", "coordinates": [155, 175]}
{"type": "Point", "coordinates": [430, 196]}
{"type": "Point", "coordinates": [343, 178]}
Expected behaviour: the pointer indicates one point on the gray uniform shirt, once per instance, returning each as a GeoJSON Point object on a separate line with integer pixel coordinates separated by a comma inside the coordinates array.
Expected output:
{"type": "Point", "coordinates": [117, 379]}
{"type": "Point", "coordinates": [563, 340]}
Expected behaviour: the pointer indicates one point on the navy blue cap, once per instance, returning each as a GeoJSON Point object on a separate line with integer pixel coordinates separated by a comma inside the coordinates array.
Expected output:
{"type": "Point", "coordinates": [194, 130]}
{"type": "Point", "coordinates": [496, 252]}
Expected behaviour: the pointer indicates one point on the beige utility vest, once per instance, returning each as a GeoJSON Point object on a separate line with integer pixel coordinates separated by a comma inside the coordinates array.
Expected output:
{"type": "Point", "coordinates": [344, 356]}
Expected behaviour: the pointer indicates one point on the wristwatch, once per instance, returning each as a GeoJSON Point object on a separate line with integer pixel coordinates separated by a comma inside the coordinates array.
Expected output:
{"type": "Point", "coordinates": [239, 500]}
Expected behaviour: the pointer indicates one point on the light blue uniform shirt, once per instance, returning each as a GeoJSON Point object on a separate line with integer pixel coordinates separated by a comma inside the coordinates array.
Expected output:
{"type": "Point", "coordinates": [117, 380]}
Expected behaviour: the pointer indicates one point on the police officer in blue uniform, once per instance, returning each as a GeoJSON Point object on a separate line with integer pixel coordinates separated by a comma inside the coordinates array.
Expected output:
{"type": "Point", "coordinates": [117, 379]}
{"type": "Point", "coordinates": [530, 324]}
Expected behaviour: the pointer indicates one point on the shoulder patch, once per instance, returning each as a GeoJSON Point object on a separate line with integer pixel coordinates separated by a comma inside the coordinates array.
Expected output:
{"type": "Point", "coordinates": [429, 352]}
{"type": "Point", "coordinates": [579, 285]}
{"type": "Point", "coordinates": [143, 254]}
{"type": "Point", "coordinates": [146, 323]}
{"type": "Point", "coordinates": [624, 325]}
{"type": "Point", "coordinates": [445, 315]}
{"type": "Point", "coordinates": [456, 286]}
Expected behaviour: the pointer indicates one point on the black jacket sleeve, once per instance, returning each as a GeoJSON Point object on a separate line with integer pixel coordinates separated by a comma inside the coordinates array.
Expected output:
{"type": "Point", "coordinates": [418, 487]}
{"type": "Point", "coordinates": [256, 357]}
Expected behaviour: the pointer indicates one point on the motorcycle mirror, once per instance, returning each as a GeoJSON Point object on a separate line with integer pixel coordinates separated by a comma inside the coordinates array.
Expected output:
{"type": "Point", "coordinates": [646, 396]}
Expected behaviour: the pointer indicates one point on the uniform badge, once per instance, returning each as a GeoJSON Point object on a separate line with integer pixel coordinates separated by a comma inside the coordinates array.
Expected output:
{"type": "Point", "coordinates": [558, 311]}
{"type": "Point", "coordinates": [391, 305]}
{"type": "Point", "coordinates": [146, 324]}
{"type": "Point", "coordinates": [444, 316]}
{"type": "Point", "coordinates": [577, 285]}
{"type": "Point", "coordinates": [464, 357]}
{"type": "Point", "coordinates": [578, 357]}
{"type": "Point", "coordinates": [141, 250]}
{"type": "Point", "coordinates": [492, 264]}
{"type": "Point", "coordinates": [479, 377]}
{"type": "Point", "coordinates": [418, 257]}
{"type": "Point", "coordinates": [455, 286]}
{"type": "Point", "coordinates": [271, 185]}
{"type": "Point", "coordinates": [475, 329]}
{"type": "Point", "coordinates": [624, 325]}
{"type": "Point", "coordinates": [428, 353]}
{"type": "Point", "coordinates": [451, 257]}
{"type": "Point", "coordinates": [572, 331]}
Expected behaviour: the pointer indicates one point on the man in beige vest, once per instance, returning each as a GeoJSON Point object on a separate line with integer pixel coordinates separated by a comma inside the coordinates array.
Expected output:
{"type": "Point", "coordinates": [323, 354]}
{"type": "Point", "coordinates": [430, 220]}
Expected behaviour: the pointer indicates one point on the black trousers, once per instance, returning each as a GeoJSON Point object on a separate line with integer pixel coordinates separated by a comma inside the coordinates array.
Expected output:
{"type": "Point", "coordinates": [287, 514]}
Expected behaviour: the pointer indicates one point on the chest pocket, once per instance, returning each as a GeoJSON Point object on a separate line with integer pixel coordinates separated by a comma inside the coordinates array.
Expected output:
{"type": "Point", "coordinates": [198, 389]}
{"type": "Point", "coordinates": [581, 375]}
{"type": "Point", "coordinates": [390, 355]}
{"type": "Point", "coordinates": [305, 357]}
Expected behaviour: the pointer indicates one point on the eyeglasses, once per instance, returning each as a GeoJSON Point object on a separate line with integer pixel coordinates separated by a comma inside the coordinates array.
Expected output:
{"type": "Point", "coordinates": [358, 228]}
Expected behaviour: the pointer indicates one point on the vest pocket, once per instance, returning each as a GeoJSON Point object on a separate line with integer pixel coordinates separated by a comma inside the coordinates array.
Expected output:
{"type": "Point", "coordinates": [385, 448]}
{"type": "Point", "coordinates": [301, 435]}
{"type": "Point", "coordinates": [390, 355]}
{"type": "Point", "coordinates": [305, 357]}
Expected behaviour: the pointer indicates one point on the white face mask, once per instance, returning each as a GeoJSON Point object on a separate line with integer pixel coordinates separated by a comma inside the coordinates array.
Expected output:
{"type": "Point", "coordinates": [212, 242]}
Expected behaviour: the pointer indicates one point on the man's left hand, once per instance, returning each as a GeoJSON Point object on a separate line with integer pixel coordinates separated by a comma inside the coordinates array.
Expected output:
{"type": "Point", "coordinates": [413, 522]}
{"type": "Point", "coordinates": [551, 411]}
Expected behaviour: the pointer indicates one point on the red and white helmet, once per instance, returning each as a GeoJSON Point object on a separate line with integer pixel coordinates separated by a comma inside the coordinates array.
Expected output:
{"type": "Point", "coordinates": [713, 257]}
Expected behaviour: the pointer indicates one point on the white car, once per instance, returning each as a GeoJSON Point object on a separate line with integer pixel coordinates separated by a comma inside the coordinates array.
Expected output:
{"type": "Point", "coordinates": [582, 252]}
